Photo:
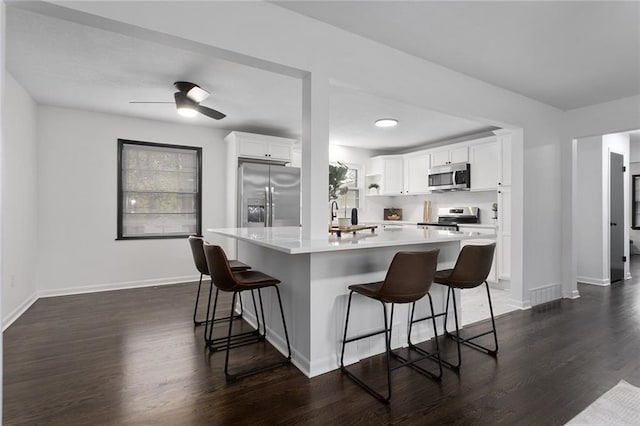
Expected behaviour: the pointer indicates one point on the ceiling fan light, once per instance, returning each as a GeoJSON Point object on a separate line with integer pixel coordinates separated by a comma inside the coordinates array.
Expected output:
{"type": "Point", "coordinates": [185, 106]}
{"type": "Point", "coordinates": [187, 111]}
{"type": "Point", "coordinates": [386, 122]}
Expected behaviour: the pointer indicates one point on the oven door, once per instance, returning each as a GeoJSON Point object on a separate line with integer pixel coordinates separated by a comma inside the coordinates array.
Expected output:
{"type": "Point", "coordinates": [441, 181]}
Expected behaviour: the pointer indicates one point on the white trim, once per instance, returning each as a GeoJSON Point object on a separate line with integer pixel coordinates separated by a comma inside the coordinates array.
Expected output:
{"type": "Point", "coordinates": [603, 282]}
{"type": "Point", "coordinates": [522, 305]}
{"type": "Point", "coordinates": [545, 293]}
{"type": "Point", "coordinates": [572, 295]}
{"type": "Point", "coordinates": [116, 286]}
{"type": "Point", "coordinates": [17, 312]}
{"type": "Point", "coordinates": [628, 277]}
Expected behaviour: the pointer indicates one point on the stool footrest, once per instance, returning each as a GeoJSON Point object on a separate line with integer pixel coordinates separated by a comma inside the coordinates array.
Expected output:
{"type": "Point", "coordinates": [236, 316]}
{"type": "Point", "coordinates": [412, 363]}
{"type": "Point", "coordinates": [220, 343]}
{"type": "Point", "coordinates": [468, 341]}
{"type": "Point", "coordinates": [364, 336]}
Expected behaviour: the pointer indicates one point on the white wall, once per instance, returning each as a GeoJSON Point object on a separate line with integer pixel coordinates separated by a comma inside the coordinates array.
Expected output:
{"type": "Point", "coordinates": [609, 117]}
{"type": "Point", "coordinates": [19, 201]}
{"type": "Point", "coordinates": [593, 203]}
{"type": "Point", "coordinates": [77, 181]}
{"type": "Point", "coordinates": [590, 196]}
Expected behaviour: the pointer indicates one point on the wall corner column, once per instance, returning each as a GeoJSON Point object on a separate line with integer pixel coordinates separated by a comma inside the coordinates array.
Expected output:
{"type": "Point", "coordinates": [315, 155]}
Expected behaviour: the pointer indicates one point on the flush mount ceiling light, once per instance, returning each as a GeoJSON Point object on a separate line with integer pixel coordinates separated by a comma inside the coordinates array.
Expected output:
{"type": "Point", "coordinates": [386, 122]}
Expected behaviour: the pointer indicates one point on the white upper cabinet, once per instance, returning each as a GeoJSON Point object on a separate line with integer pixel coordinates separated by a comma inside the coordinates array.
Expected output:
{"type": "Point", "coordinates": [250, 145]}
{"type": "Point", "coordinates": [442, 157]}
{"type": "Point", "coordinates": [388, 172]}
{"type": "Point", "coordinates": [485, 165]}
{"type": "Point", "coordinates": [416, 178]}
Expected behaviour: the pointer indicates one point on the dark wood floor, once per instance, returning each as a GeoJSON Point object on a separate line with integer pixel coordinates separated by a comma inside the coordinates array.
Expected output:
{"type": "Point", "coordinates": [132, 357]}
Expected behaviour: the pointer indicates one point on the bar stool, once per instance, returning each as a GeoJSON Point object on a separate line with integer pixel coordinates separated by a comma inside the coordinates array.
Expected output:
{"type": "Point", "coordinates": [408, 279]}
{"type": "Point", "coordinates": [227, 280]}
{"type": "Point", "coordinates": [471, 270]}
{"type": "Point", "coordinates": [196, 243]}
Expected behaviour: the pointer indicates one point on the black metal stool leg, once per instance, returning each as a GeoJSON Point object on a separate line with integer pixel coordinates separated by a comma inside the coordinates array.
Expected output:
{"type": "Point", "coordinates": [195, 309]}
{"type": "Point", "coordinates": [435, 356]}
{"type": "Point", "coordinates": [468, 340]}
{"type": "Point", "coordinates": [232, 377]}
{"type": "Point", "coordinates": [387, 343]}
{"type": "Point", "coordinates": [284, 323]}
{"type": "Point", "coordinates": [493, 322]}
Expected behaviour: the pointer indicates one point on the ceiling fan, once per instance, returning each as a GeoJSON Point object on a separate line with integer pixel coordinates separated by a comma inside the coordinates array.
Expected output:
{"type": "Point", "coordinates": [187, 100]}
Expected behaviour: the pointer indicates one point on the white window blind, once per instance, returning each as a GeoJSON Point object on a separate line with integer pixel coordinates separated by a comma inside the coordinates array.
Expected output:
{"type": "Point", "coordinates": [159, 190]}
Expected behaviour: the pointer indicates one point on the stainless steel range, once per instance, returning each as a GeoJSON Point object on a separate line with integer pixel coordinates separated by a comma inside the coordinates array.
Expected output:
{"type": "Point", "coordinates": [450, 217]}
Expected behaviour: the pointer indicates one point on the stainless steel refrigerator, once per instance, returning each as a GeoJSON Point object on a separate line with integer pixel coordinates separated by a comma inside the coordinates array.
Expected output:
{"type": "Point", "coordinates": [269, 195]}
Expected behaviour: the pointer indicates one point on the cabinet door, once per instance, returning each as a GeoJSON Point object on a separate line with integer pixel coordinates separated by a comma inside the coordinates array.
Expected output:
{"type": "Point", "coordinates": [440, 158]}
{"type": "Point", "coordinates": [485, 163]}
{"type": "Point", "coordinates": [505, 145]}
{"type": "Point", "coordinates": [278, 151]}
{"type": "Point", "coordinates": [252, 148]}
{"type": "Point", "coordinates": [393, 176]}
{"type": "Point", "coordinates": [416, 168]}
{"type": "Point", "coordinates": [459, 155]}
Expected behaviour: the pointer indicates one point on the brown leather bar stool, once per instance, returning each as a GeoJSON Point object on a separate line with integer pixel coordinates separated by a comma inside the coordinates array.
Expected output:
{"type": "Point", "coordinates": [471, 270]}
{"type": "Point", "coordinates": [227, 280]}
{"type": "Point", "coordinates": [408, 279]}
{"type": "Point", "coordinates": [196, 243]}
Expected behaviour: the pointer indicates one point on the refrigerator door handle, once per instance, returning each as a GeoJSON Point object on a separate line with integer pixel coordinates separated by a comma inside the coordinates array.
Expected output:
{"type": "Point", "coordinates": [267, 204]}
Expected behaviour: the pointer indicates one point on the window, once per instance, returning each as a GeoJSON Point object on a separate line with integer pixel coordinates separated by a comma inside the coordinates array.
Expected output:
{"type": "Point", "coordinates": [159, 190]}
{"type": "Point", "coordinates": [351, 199]}
{"type": "Point", "coordinates": [635, 206]}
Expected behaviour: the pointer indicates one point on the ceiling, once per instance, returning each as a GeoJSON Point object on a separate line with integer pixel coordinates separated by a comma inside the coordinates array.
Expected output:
{"type": "Point", "coordinates": [567, 54]}
{"type": "Point", "coordinates": [73, 65]}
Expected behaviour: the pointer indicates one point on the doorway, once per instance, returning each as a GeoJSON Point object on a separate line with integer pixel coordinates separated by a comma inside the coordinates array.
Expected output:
{"type": "Point", "coordinates": [617, 257]}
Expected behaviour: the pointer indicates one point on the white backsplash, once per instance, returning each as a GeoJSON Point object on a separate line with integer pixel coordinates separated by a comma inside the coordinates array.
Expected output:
{"type": "Point", "coordinates": [412, 205]}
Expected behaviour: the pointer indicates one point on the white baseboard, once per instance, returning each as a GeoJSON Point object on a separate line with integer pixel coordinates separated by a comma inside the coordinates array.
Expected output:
{"type": "Point", "coordinates": [116, 286]}
{"type": "Point", "coordinates": [522, 305]}
{"type": "Point", "coordinates": [17, 312]}
{"type": "Point", "coordinates": [594, 281]}
{"type": "Point", "coordinates": [574, 294]}
{"type": "Point", "coordinates": [544, 294]}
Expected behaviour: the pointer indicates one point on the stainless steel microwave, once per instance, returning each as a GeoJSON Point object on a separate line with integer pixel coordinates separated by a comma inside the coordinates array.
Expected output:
{"type": "Point", "coordinates": [450, 177]}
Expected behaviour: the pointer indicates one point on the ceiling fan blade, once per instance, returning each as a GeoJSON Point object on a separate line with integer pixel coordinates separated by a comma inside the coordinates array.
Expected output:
{"type": "Point", "coordinates": [211, 113]}
{"type": "Point", "coordinates": [149, 102]}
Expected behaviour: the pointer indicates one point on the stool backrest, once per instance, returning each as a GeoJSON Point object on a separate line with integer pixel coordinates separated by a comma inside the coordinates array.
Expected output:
{"type": "Point", "coordinates": [196, 244]}
{"type": "Point", "coordinates": [473, 265]}
{"type": "Point", "coordinates": [409, 276]}
{"type": "Point", "coordinates": [218, 263]}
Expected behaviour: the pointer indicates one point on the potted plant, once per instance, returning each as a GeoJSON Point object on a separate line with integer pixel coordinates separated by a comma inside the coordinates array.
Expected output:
{"type": "Point", "coordinates": [373, 188]}
{"type": "Point", "coordinates": [337, 178]}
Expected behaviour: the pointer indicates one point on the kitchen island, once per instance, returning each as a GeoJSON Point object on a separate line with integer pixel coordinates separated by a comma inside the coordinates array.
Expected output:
{"type": "Point", "coordinates": [315, 275]}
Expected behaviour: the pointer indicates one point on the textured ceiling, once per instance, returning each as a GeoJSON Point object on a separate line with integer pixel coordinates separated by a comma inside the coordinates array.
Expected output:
{"type": "Point", "coordinates": [68, 64]}
{"type": "Point", "coordinates": [567, 54]}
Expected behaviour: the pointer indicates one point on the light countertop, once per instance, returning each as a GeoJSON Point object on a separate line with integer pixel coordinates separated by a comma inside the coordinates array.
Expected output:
{"type": "Point", "coordinates": [289, 239]}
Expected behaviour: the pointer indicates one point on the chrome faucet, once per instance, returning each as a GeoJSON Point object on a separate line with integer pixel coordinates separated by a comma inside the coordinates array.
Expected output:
{"type": "Point", "coordinates": [334, 213]}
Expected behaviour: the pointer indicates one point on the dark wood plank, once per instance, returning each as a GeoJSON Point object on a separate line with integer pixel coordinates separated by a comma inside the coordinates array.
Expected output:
{"type": "Point", "coordinates": [133, 357]}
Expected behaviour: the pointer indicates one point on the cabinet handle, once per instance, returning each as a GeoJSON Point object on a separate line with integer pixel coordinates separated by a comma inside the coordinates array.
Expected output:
{"type": "Point", "coordinates": [500, 183]}
{"type": "Point", "coordinates": [499, 192]}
